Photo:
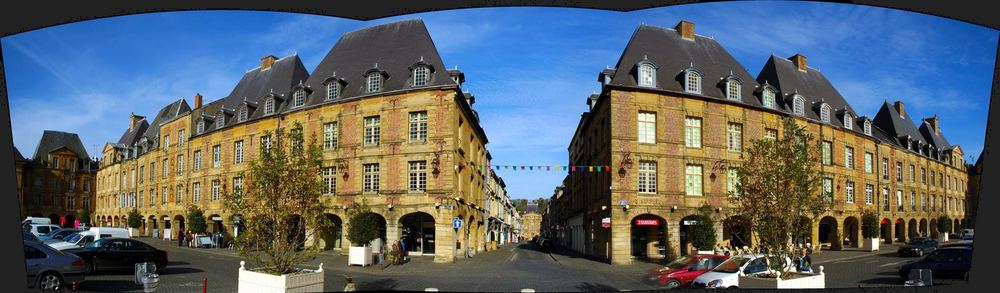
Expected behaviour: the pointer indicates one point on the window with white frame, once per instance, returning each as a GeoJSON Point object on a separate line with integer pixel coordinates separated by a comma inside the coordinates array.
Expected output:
{"type": "Point", "coordinates": [692, 82]}
{"type": "Point", "coordinates": [732, 182]}
{"type": "Point", "coordinates": [827, 153]}
{"type": "Point", "coordinates": [770, 133]}
{"type": "Point", "coordinates": [201, 126]}
{"type": "Point", "coordinates": [849, 194]}
{"type": "Point", "coordinates": [692, 132]}
{"type": "Point", "coordinates": [848, 121]}
{"type": "Point", "coordinates": [913, 173]}
{"type": "Point", "coordinates": [220, 120]}
{"type": "Point", "coordinates": [913, 201]}
{"type": "Point", "coordinates": [86, 202]}
{"type": "Point", "coordinates": [647, 75]}
{"type": "Point", "coordinates": [899, 200]}
{"type": "Point", "coordinates": [243, 113]}
{"type": "Point", "coordinates": [152, 198]}
{"type": "Point", "coordinates": [849, 157]}
{"type": "Point", "coordinates": [70, 202]}
{"type": "Point", "coordinates": [372, 130]}
{"type": "Point", "coordinates": [824, 113]}
{"type": "Point", "coordinates": [647, 127]}
{"type": "Point", "coordinates": [828, 189]}
{"type": "Point", "coordinates": [418, 176]}
{"type": "Point", "coordinates": [421, 75]}
{"type": "Point", "coordinates": [152, 171]}
{"type": "Point", "coordinates": [647, 177]}
{"type": "Point", "coordinates": [180, 164]}
{"type": "Point", "coordinates": [216, 156]}
{"type": "Point", "coordinates": [265, 142]}
{"type": "Point", "coordinates": [166, 168]}
{"type": "Point", "coordinates": [197, 161]}
{"type": "Point", "coordinates": [164, 194]}
{"type": "Point", "coordinates": [181, 138]}
{"type": "Point", "coordinates": [299, 98]}
{"type": "Point", "coordinates": [869, 197]}
{"type": "Point", "coordinates": [733, 89]}
{"type": "Point", "coordinates": [238, 185]}
{"type": "Point", "coordinates": [166, 145]}
{"type": "Point", "coordinates": [332, 90]}
{"type": "Point", "coordinates": [885, 199]}
{"type": "Point", "coordinates": [885, 168]}
{"type": "Point", "coordinates": [923, 201]}
{"type": "Point", "coordinates": [798, 105]}
{"type": "Point", "coordinates": [735, 137]}
{"type": "Point", "coordinates": [692, 180]}
{"type": "Point", "coordinates": [330, 135]}
{"type": "Point", "coordinates": [196, 191]}
{"type": "Point", "coordinates": [370, 177]}
{"type": "Point", "coordinates": [269, 106]}
{"type": "Point", "coordinates": [179, 195]}
{"type": "Point", "coordinates": [868, 127]}
{"type": "Point", "coordinates": [868, 162]}
{"type": "Point", "coordinates": [215, 189]}
{"type": "Point", "coordinates": [238, 152]}
{"type": "Point", "coordinates": [418, 126]}
{"type": "Point", "coordinates": [374, 80]}
{"type": "Point", "coordinates": [329, 180]}
{"type": "Point", "coordinates": [899, 171]}
{"type": "Point", "coordinates": [768, 95]}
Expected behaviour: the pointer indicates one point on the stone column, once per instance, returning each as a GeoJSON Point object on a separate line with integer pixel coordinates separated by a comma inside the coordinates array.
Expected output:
{"type": "Point", "coordinates": [444, 242]}
{"type": "Point", "coordinates": [814, 234]}
{"type": "Point", "coordinates": [673, 239]}
{"type": "Point", "coordinates": [621, 238]}
{"type": "Point", "coordinates": [392, 231]}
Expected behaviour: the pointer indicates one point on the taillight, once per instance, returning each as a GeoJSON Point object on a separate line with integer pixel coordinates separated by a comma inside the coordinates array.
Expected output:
{"type": "Point", "coordinates": [79, 264]}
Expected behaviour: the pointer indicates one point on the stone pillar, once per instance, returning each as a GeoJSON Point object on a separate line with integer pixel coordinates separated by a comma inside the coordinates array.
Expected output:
{"type": "Point", "coordinates": [673, 239]}
{"type": "Point", "coordinates": [858, 236]}
{"type": "Point", "coordinates": [392, 232]}
{"type": "Point", "coordinates": [814, 235]}
{"type": "Point", "coordinates": [719, 232]}
{"type": "Point", "coordinates": [444, 242]}
{"type": "Point", "coordinates": [621, 238]}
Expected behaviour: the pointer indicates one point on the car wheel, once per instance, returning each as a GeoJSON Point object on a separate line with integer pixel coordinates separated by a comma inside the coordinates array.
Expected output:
{"type": "Point", "coordinates": [50, 281]}
{"type": "Point", "coordinates": [672, 284]}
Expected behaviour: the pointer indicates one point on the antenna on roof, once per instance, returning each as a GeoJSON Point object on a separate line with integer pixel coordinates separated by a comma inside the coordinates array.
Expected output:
{"type": "Point", "coordinates": [376, 64]}
{"type": "Point", "coordinates": [421, 58]}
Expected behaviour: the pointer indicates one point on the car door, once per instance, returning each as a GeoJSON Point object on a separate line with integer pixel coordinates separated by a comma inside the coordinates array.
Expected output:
{"type": "Point", "coordinates": [756, 266]}
{"type": "Point", "coordinates": [951, 265]}
{"type": "Point", "coordinates": [34, 259]}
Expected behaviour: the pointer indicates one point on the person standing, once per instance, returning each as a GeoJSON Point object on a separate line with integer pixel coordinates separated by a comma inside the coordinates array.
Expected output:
{"type": "Point", "coordinates": [804, 262]}
{"type": "Point", "coordinates": [350, 287]}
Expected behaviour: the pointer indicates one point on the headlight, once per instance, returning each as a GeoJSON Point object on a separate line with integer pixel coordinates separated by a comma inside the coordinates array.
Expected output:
{"type": "Point", "coordinates": [714, 283]}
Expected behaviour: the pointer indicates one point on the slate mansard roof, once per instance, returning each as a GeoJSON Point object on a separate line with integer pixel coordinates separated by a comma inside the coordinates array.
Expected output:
{"type": "Point", "coordinates": [53, 140]}
{"type": "Point", "coordinates": [811, 85]}
{"type": "Point", "coordinates": [170, 112]}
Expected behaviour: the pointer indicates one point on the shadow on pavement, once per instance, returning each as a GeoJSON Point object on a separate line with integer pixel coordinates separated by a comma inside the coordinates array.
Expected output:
{"type": "Point", "coordinates": [108, 286]}
{"type": "Point", "coordinates": [560, 251]}
{"type": "Point", "coordinates": [177, 263]}
{"type": "Point", "coordinates": [896, 281]}
{"type": "Point", "coordinates": [175, 271]}
{"type": "Point", "coordinates": [595, 287]}
{"type": "Point", "coordinates": [379, 285]}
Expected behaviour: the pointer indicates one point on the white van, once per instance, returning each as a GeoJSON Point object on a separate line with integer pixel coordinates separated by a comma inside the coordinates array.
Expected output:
{"type": "Point", "coordinates": [966, 234]}
{"type": "Point", "coordinates": [36, 220]}
{"type": "Point", "coordinates": [85, 237]}
{"type": "Point", "coordinates": [41, 229]}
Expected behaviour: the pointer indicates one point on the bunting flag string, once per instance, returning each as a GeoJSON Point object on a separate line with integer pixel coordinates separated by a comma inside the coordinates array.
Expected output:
{"type": "Point", "coordinates": [547, 168]}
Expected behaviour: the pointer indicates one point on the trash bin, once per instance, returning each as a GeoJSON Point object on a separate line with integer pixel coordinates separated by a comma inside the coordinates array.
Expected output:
{"type": "Point", "coordinates": [149, 282]}
{"type": "Point", "coordinates": [919, 278]}
{"type": "Point", "coordinates": [145, 275]}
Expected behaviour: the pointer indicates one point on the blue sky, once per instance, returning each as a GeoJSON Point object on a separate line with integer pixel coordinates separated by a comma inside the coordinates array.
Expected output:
{"type": "Point", "coordinates": [530, 68]}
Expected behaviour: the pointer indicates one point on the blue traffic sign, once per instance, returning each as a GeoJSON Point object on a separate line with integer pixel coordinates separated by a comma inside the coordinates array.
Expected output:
{"type": "Point", "coordinates": [457, 223]}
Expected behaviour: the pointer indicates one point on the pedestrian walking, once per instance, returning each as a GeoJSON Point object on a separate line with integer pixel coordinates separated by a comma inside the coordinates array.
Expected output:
{"type": "Point", "coordinates": [350, 287]}
{"type": "Point", "coordinates": [180, 238]}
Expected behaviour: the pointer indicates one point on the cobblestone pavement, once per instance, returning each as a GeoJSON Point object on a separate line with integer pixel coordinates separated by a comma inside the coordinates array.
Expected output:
{"type": "Point", "coordinates": [511, 268]}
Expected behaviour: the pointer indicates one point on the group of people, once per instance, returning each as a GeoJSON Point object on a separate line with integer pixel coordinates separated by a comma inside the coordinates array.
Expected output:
{"type": "Point", "coordinates": [729, 250]}
{"type": "Point", "coordinates": [394, 254]}
{"type": "Point", "coordinates": [188, 239]}
{"type": "Point", "coordinates": [803, 262]}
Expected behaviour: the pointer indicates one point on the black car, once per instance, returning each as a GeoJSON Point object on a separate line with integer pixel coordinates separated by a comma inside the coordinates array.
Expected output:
{"type": "Point", "coordinates": [918, 247]}
{"type": "Point", "coordinates": [119, 253]}
{"type": "Point", "coordinates": [960, 243]}
{"type": "Point", "coordinates": [948, 262]}
{"type": "Point", "coordinates": [28, 236]}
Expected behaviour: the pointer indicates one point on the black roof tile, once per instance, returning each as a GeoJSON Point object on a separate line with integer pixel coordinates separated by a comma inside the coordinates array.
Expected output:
{"type": "Point", "coordinates": [53, 140]}
{"type": "Point", "coordinates": [811, 84]}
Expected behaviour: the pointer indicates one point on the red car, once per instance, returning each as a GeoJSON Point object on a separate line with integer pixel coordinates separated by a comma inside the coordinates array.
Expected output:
{"type": "Point", "coordinates": [685, 269]}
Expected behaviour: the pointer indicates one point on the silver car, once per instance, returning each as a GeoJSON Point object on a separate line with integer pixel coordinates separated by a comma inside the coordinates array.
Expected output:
{"type": "Point", "coordinates": [50, 269]}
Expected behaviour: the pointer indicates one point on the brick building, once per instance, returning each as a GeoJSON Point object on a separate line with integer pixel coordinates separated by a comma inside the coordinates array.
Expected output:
{"type": "Point", "coordinates": [58, 181]}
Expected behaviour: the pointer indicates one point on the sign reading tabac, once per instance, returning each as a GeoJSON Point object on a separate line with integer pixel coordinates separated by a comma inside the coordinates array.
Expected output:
{"type": "Point", "coordinates": [647, 222]}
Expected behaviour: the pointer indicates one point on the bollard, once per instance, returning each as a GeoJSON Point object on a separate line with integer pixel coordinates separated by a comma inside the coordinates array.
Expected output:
{"type": "Point", "coordinates": [73, 287]}
{"type": "Point", "coordinates": [204, 284]}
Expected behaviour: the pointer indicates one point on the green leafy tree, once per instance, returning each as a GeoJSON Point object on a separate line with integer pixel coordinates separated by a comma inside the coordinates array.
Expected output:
{"type": "Point", "coordinates": [943, 224]}
{"type": "Point", "coordinates": [196, 219]}
{"type": "Point", "coordinates": [364, 225]}
{"type": "Point", "coordinates": [779, 184]}
{"type": "Point", "coordinates": [134, 219]}
{"type": "Point", "coordinates": [869, 224]}
{"type": "Point", "coordinates": [280, 202]}
{"type": "Point", "coordinates": [703, 232]}
{"type": "Point", "coordinates": [83, 216]}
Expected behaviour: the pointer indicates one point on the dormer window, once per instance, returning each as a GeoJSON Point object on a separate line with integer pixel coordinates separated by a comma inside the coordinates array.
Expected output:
{"type": "Point", "coordinates": [269, 106]}
{"type": "Point", "coordinates": [299, 98]}
{"type": "Point", "coordinates": [332, 90]}
{"type": "Point", "coordinates": [220, 120]}
{"type": "Point", "coordinates": [692, 81]}
{"type": "Point", "coordinates": [374, 81]}
{"type": "Point", "coordinates": [201, 126]}
{"type": "Point", "coordinates": [733, 87]}
{"type": "Point", "coordinates": [824, 113]}
{"type": "Point", "coordinates": [421, 75]}
{"type": "Point", "coordinates": [848, 121]}
{"type": "Point", "coordinates": [647, 74]}
{"type": "Point", "coordinates": [798, 105]}
{"type": "Point", "coordinates": [868, 127]}
{"type": "Point", "coordinates": [243, 113]}
{"type": "Point", "coordinates": [768, 96]}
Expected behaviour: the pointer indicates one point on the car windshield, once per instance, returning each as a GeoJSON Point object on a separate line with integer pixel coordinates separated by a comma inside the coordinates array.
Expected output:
{"type": "Point", "coordinates": [679, 263]}
{"type": "Point", "coordinates": [732, 265]}
{"type": "Point", "coordinates": [74, 238]}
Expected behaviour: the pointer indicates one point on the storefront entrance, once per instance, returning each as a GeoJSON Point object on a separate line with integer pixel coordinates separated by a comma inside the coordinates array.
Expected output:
{"type": "Point", "coordinates": [418, 233]}
{"type": "Point", "coordinates": [649, 237]}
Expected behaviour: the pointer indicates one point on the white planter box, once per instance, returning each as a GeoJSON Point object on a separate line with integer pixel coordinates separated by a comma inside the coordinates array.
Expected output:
{"type": "Point", "coordinates": [802, 281]}
{"type": "Point", "coordinates": [942, 237]}
{"type": "Point", "coordinates": [360, 256]}
{"type": "Point", "coordinates": [705, 251]}
{"type": "Point", "coordinates": [872, 243]}
{"type": "Point", "coordinates": [304, 281]}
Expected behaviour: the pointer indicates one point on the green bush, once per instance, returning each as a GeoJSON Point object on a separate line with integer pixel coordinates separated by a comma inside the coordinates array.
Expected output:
{"type": "Point", "coordinates": [869, 224]}
{"type": "Point", "coordinates": [703, 233]}
{"type": "Point", "coordinates": [134, 219]}
{"type": "Point", "coordinates": [196, 219]}
{"type": "Point", "coordinates": [944, 224]}
{"type": "Point", "coordinates": [363, 226]}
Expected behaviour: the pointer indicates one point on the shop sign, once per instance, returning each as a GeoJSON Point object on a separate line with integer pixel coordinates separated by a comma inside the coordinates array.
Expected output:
{"type": "Point", "coordinates": [606, 222]}
{"type": "Point", "coordinates": [690, 222]}
{"type": "Point", "coordinates": [647, 222]}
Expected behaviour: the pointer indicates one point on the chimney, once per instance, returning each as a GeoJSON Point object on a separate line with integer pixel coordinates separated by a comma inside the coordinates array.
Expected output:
{"type": "Point", "coordinates": [267, 61]}
{"type": "Point", "coordinates": [686, 29]}
{"type": "Point", "coordinates": [197, 100]}
{"type": "Point", "coordinates": [800, 61]}
{"type": "Point", "coordinates": [134, 120]}
{"type": "Point", "coordinates": [934, 123]}
{"type": "Point", "coordinates": [900, 109]}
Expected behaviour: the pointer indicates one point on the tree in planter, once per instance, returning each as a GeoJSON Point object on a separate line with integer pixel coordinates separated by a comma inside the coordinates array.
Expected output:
{"type": "Point", "coordinates": [779, 184]}
{"type": "Point", "coordinates": [196, 220]}
{"type": "Point", "coordinates": [134, 219]}
{"type": "Point", "coordinates": [280, 196]}
{"type": "Point", "coordinates": [363, 226]}
{"type": "Point", "coordinates": [869, 224]}
{"type": "Point", "coordinates": [703, 233]}
{"type": "Point", "coordinates": [943, 224]}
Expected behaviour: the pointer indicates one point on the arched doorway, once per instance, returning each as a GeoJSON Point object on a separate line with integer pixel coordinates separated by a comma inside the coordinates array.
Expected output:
{"type": "Point", "coordinates": [886, 229]}
{"type": "Point", "coordinates": [923, 228]}
{"type": "Point", "coordinates": [178, 223]}
{"type": "Point", "coordinates": [215, 224]}
{"type": "Point", "coordinates": [70, 221]}
{"type": "Point", "coordinates": [649, 237]}
{"type": "Point", "coordinates": [168, 228]}
{"type": "Point", "coordinates": [417, 231]}
{"type": "Point", "coordinates": [900, 230]}
{"type": "Point", "coordinates": [852, 228]}
{"type": "Point", "coordinates": [151, 228]}
{"type": "Point", "coordinates": [912, 227]}
{"type": "Point", "coordinates": [333, 234]}
{"type": "Point", "coordinates": [804, 236]}
{"type": "Point", "coordinates": [238, 224]}
{"type": "Point", "coordinates": [956, 226]}
{"type": "Point", "coordinates": [114, 222]}
{"type": "Point", "coordinates": [829, 233]}
{"type": "Point", "coordinates": [736, 230]}
{"type": "Point", "coordinates": [686, 233]}
{"type": "Point", "coordinates": [933, 227]}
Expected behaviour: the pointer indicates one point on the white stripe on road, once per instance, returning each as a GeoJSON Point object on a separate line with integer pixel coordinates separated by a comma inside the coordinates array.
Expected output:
{"type": "Point", "coordinates": [894, 263]}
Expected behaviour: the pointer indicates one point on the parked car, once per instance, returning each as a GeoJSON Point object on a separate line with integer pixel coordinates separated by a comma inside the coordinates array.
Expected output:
{"type": "Point", "coordinates": [966, 234]}
{"type": "Point", "coordinates": [85, 237]}
{"type": "Point", "coordinates": [960, 243]}
{"type": "Point", "coordinates": [58, 234]}
{"type": "Point", "coordinates": [50, 269]}
{"type": "Point", "coordinates": [29, 237]}
{"type": "Point", "coordinates": [918, 247]}
{"type": "Point", "coordinates": [726, 275]}
{"type": "Point", "coordinates": [682, 271]}
{"type": "Point", "coordinates": [41, 229]}
{"type": "Point", "coordinates": [949, 262]}
{"type": "Point", "coordinates": [119, 253]}
{"type": "Point", "coordinates": [34, 220]}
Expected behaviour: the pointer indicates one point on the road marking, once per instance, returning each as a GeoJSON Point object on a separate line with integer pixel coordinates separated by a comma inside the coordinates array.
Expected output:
{"type": "Point", "coordinates": [527, 290]}
{"type": "Point", "coordinates": [893, 263]}
{"type": "Point", "coordinates": [844, 258]}
{"type": "Point", "coordinates": [431, 290]}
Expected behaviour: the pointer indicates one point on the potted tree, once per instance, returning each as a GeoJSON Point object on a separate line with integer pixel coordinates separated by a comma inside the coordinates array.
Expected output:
{"type": "Point", "coordinates": [943, 226]}
{"type": "Point", "coordinates": [779, 184]}
{"type": "Point", "coordinates": [870, 229]}
{"type": "Point", "coordinates": [196, 222]}
{"type": "Point", "coordinates": [279, 198]}
{"type": "Point", "coordinates": [703, 233]}
{"type": "Point", "coordinates": [84, 217]}
{"type": "Point", "coordinates": [362, 229]}
{"type": "Point", "coordinates": [134, 222]}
